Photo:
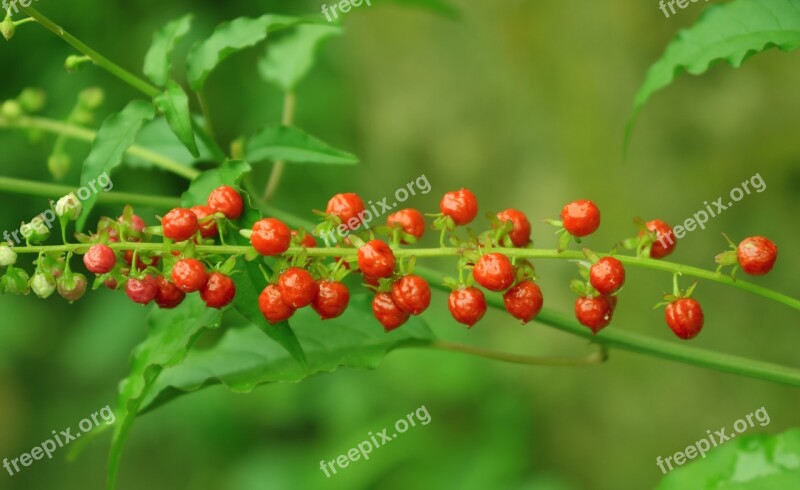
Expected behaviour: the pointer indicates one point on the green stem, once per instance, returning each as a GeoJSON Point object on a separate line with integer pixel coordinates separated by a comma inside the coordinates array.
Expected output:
{"type": "Point", "coordinates": [96, 57]}
{"type": "Point", "coordinates": [201, 98]}
{"type": "Point", "coordinates": [88, 135]}
{"type": "Point", "coordinates": [594, 358]}
{"type": "Point", "coordinates": [287, 118]}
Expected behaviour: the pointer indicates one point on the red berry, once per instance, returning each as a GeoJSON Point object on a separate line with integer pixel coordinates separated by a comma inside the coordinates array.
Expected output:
{"type": "Point", "coordinates": [332, 299]}
{"type": "Point", "coordinates": [189, 275]}
{"type": "Point", "coordinates": [297, 287]}
{"type": "Point", "coordinates": [308, 239]}
{"type": "Point", "coordinates": [461, 205]}
{"type": "Point", "coordinates": [524, 301]}
{"type": "Point", "coordinates": [594, 313]}
{"type": "Point", "coordinates": [411, 294]}
{"type": "Point", "coordinates": [757, 255]}
{"type": "Point", "coordinates": [387, 312]}
{"type": "Point", "coordinates": [218, 291]}
{"type": "Point", "coordinates": [100, 259]}
{"type": "Point", "coordinates": [494, 272]}
{"type": "Point", "coordinates": [348, 207]}
{"type": "Point", "coordinates": [580, 218]}
{"type": "Point", "coordinates": [467, 305]}
{"type": "Point", "coordinates": [272, 306]}
{"type": "Point", "coordinates": [409, 220]}
{"type": "Point", "coordinates": [143, 290]}
{"type": "Point", "coordinates": [168, 296]}
{"type": "Point", "coordinates": [137, 225]}
{"type": "Point", "coordinates": [521, 232]}
{"type": "Point", "coordinates": [179, 224]}
{"type": "Point", "coordinates": [72, 287]}
{"type": "Point", "coordinates": [685, 318]}
{"type": "Point", "coordinates": [271, 237]}
{"type": "Point", "coordinates": [607, 275]}
{"type": "Point", "coordinates": [226, 200]}
{"type": "Point", "coordinates": [665, 239]}
{"type": "Point", "coordinates": [208, 228]}
{"type": "Point", "coordinates": [376, 259]}
{"type": "Point", "coordinates": [142, 263]}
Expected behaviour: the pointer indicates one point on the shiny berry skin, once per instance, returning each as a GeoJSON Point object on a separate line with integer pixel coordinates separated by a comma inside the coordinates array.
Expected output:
{"type": "Point", "coordinates": [524, 301]}
{"type": "Point", "coordinates": [684, 317]}
{"type": "Point", "coordinates": [226, 200]}
{"type": "Point", "coordinates": [409, 220]}
{"type": "Point", "coordinates": [271, 237]}
{"type": "Point", "coordinates": [100, 259]}
{"type": "Point", "coordinates": [387, 312]}
{"type": "Point", "coordinates": [461, 205]}
{"type": "Point", "coordinates": [208, 228]}
{"type": "Point", "coordinates": [272, 306]}
{"type": "Point", "coordinates": [219, 291]}
{"type": "Point", "coordinates": [520, 234]}
{"type": "Point", "coordinates": [348, 207]}
{"type": "Point", "coordinates": [297, 287]}
{"type": "Point", "coordinates": [411, 294]}
{"type": "Point", "coordinates": [308, 239]}
{"type": "Point", "coordinates": [467, 305]}
{"type": "Point", "coordinates": [332, 299]}
{"type": "Point", "coordinates": [607, 275]}
{"type": "Point", "coordinates": [665, 239]}
{"type": "Point", "coordinates": [143, 290]}
{"type": "Point", "coordinates": [756, 255]}
{"type": "Point", "coordinates": [494, 272]}
{"type": "Point", "coordinates": [580, 218]}
{"type": "Point", "coordinates": [376, 259]}
{"type": "Point", "coordinates": [168, 296]}
{"type": "Point", "coordinates": [179, 224]}
{"type": "Point", "coordinates": [189, 275]}
{"type": "Point", "coordinates": [594, 313]}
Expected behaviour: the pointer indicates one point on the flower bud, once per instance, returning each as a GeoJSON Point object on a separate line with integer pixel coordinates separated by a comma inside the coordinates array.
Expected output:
{"type": "Point", "coordinates": [91, 98]}
{"type": "Point", "coordinates": [69, 206]}
{"type": "Point", "coordinates": [7, 256]}
{"type": "Point", "coordinates": [43, 284]}
{"type": "Point", "coordinates": [15, 281]}
{"type": "Point", "coordinates": [11, 109]}
{"type": "Point", "coordinates": [32, 99]}
{"type": "Point", "coordinates": [35, 231]}
{"type": "Point", "coordinates": [7, 28]}
{"type": "Point", "coordinates": [59, 164]}
{"type": "Point", "coordinates": [71, 287]}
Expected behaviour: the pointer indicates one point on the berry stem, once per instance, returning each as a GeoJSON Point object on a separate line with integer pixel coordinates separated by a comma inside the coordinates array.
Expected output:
{"type": "Point", "coordinates": [287, 119]}
{"type": "Point", "coordinates": [594, 358]}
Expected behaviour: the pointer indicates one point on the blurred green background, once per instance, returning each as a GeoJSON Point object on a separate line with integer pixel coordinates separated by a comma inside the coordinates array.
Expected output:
{"type": "Point", "coordinates": [525, 103]}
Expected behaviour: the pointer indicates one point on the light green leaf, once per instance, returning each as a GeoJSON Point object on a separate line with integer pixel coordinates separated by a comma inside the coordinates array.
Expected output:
{"type": "Point", "coordinates": [229, 38]}
{"type": "Point", "coordinates": [158, 58]}
{"type": "Point", "coordinates": [744, 463]}
{"type": "Point", "coordinates": [729, 32]}
{"type": "Point", "coordinates": [116, 135]}
{"type": "Point", "coordinates": [157, 136]}
{"type": "Point", "coordinates": [289, 144]}
{"type": "Point", "coordinates": [175, 105]}
{"type": "Point", "coordinates": [170, 334]}
{"type": "Point", "coordinates": [288, 60]}
{"type": "Point", "coordinates": [243, 359]}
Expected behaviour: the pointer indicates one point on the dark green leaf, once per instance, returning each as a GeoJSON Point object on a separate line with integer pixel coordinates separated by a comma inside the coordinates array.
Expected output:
{"type": "Point", "coordinates": [229, 173]}
{"type": "Point", "coordinates": [288, 60]}
{"type": "Point", "coordinates": [170, 334]}
{"type": "Point", "coordinates": [174, 103]}
{"type": "Point", "coordinates": [243, 359]}
{"type": "Point", "coordinates": [227, 39]}
{"type": "Point", "coordinates": [116, 135]}
{"type": "Point", "coordinates": [729, 32]}
{"type": "Point", "coordinates": [157, 137]}
{"type": "Point", "coordinates": [158, 58]}
{"type": "Point", "coordinates": [289, 144]}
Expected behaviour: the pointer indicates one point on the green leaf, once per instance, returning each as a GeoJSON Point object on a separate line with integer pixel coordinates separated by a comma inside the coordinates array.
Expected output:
{"type": "Point", "coordinates": [170, 334]}
{"type": "Point", "coordinates": [229, 173]}
{"type": "Point", "coordinates": [116, 135]}
{"type": "Point", "coordinates": [288, 60]}
{"type": "Point", "coordinates": [157, 137]}
{"type": "Point", "coordinates": [158, 58]}
{"type": "Point", "coordinates": [437, 6]}
{"type": "Point", "coordinates": [229, 38]}
{"type": "Point", "coordinates": [243, 359]}
{"type": "Point", "coordinates": [289, 144]}
{"type": "Point", "coordinates": [175, 105]}
{"type": "Point", "coordinates": [729, 32]}
{"type": "Point", "coordinates": [747, 462]}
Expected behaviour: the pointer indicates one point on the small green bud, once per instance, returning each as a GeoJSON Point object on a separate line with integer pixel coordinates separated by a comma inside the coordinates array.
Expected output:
{"type": "Point", "coordinates": [35, 231]}
{"type": "Point", "coordinates": [82, 117]}
{"type": "Point", "coordinates": [69, 206]}
{"type": "Point", "coordinates": [32, 99]}
{"type": "Point", "coordinates": [59, 164]}
{"type": "Point", "coordinates": [15, 281]}
{"type": "Point", "coordinates": [43, 284]}
{"type": "Point", "coordinates": [91, 98]}
{"type": "Point", "coordinates": [11, 109]}
{"type": "Point", "coordinates": [74, 62]}
{"type": "Point", "coordinates": [7, 28]}
{"type": "Point", "coordinates": [7, 256]}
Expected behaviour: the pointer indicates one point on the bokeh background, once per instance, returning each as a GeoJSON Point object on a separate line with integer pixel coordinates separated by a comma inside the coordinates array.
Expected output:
{"type": "Point", "coordinates": [525, 103]}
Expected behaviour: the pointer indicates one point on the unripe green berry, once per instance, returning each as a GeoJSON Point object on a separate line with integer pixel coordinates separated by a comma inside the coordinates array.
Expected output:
{"type": "Point", "coordinates": [43, 284]}
{"type": "Point", "coordinates": [32, 99]}
{"type": "Point", "coordinates": [35, 231]}
{"type": "Point", "coordinates": [11, 109]}
{"type": "Point", "coordinates": [7, 256]}
{"type": "Point", "coordinates": [7, 28]}
{"type": "Point", "coordinates": [15, 281]}
{"type": "Point", "coordinates": [69, 206]}
{"type": "Point", "coordinates": [91, 98]}
{"type": "Point", "coordinates": [71, 287]}
{"type": "Point", "coordinates": [59, 164]}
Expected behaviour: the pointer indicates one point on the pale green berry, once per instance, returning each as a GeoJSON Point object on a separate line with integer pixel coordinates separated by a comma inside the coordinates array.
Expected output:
{"type": "Point", "coordinates": [69, 206]}
{"type": "Point", "coordinates": [43, 285]}
{"type": "Point", "coordinates": [7, 256]}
